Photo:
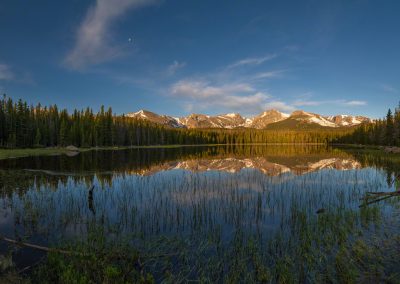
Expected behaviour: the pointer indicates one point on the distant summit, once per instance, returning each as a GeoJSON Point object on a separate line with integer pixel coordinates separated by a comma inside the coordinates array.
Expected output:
{"type": "Point", "coordinates": [269, 119]}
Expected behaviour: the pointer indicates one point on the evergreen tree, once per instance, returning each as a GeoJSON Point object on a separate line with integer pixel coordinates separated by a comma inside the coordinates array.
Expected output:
{"type": "Point", "coordinates": [396, 126]}
{"type": "Point", "coordinates": [26, 126]}
{"type": "Point", "coordinates": [389, 128]}
{"type": "Point", "coordinates": [38, 137]}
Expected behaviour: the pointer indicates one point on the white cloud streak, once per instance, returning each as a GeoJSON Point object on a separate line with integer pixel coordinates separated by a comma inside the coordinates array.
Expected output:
{"type": "Point", "coordinates": [269, 74]}
{"type": "Point", "coordinates": [233, 88]}
{"type": "Point", "coordinates": [354, 103]}
{"type": "Point", "coordinates": [93, 40]}
{"type": "Point", "coordinates": [231, 96]}
{"type": "Point", "coordinates": [234, 97]}
{"type": "Point", "coordinates": [251, 61]}
{"type": "Point", "coordinates": [279, 105]}
{"type": "Point", "coordinates": [197, 89]}
{"type": "Point", "coordinates": [345, 103]}
{"type": "Point", "coordinates": [301, 103]}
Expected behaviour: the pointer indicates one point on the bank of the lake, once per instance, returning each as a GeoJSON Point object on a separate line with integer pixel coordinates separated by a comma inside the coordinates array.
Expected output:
{"type": "Point", "coordinates": [224, 214]}
{"type": "Point", "coordinates": [52, 151]}
{"type": "Point", "coordinates": [7, 153]}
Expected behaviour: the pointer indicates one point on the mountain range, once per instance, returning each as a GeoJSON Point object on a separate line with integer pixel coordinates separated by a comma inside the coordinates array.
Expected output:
{"type": "Point", "coordinates": [270, 119]}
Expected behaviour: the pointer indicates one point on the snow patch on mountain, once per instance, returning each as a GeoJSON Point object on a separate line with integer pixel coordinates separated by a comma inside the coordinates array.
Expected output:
{"type": "Point", "coordinates": [235, 120]}
{"type": "Point", "coordinates": [322, 121]}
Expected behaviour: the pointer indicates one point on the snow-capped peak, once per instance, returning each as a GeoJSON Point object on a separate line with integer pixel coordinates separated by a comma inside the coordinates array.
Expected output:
{"type": "Point", "coordinates": [140, 113]}
{"type": "Point", "coordinates": [231, 114]}
{"type": "Point", "coordinates": [261, 121]}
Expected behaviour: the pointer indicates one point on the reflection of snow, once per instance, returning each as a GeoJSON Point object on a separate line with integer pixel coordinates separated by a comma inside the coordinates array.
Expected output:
{"type": "Point", "coordinates": [234, 165]}
{"type": "Point", "coordinates": [333, 163]}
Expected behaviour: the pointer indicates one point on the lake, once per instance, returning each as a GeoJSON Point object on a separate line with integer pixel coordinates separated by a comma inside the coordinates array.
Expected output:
{"type": "Point", "coordinates": [214, 213]}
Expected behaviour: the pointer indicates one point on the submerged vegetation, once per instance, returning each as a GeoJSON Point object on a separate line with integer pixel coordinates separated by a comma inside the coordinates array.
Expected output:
{"type": "Point", "coordinates": [180, 214]}
{"type": "Point", "coordinates": [179, 226]}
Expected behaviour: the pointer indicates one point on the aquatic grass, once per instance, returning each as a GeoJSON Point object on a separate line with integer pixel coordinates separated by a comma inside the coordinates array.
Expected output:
{"type": "Point", "coordinates": [217, 226]}
{"type": "Point", "coordinates": [94, 260]}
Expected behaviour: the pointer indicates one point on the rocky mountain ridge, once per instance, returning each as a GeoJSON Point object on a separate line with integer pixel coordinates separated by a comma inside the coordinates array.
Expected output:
{"type": "Point", "coordinates": [261, 121]}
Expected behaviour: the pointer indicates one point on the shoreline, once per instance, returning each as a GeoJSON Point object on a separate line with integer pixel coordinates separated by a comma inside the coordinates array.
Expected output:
{"type": "Point", "coordinates": [385, 149]}
{"type": "Point", "coordinates": [6, 153]}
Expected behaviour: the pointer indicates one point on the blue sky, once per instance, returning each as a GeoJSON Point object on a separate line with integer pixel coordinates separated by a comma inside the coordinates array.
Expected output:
{"type": "Point", "coordinates": [210, 57]}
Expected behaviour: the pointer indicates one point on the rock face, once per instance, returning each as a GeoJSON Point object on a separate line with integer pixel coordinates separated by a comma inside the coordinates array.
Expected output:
{"type": "Point", "coordinates": [156, 118]}
{"type": "Point", "coordinates": [309, 117]}
{"type": "Point", "coordinates": [230, 120]}
{"type": "Point", "coordinates": [261, 121]}
{"type": "Point", "coordinates": [267, 117]}
{"type": "Point", "coordinates": [348, 120]}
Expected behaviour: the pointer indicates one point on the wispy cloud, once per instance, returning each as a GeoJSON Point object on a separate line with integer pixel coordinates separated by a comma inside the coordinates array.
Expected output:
{"type": "Point", "coordinates": [93, 41]}
{"type": "Point", "coordinates": [279, 105]}
{"type": "Point", "coordinates": [231, 96]}
{"type": "Point", "coordinates": [388, 88]}
{"type": "Point", "coordinates": [269, 74]}
{"type": "Point", "coordinates": [245, 98]}
{"type": "Point", "coordinates": [301, 103]}
{"type": "Point", "coordinates": [354, 103]}
{"type": "Point", "coordinates": [345, 103]}
{"type": "Point", "coordinates": [174, 67]}
{"type": "Point", "coordinates": [6, 73]}
{"type": "Point", "coordinates": [232, 88]}
{"type": "Point", "coordinates": [251, 61]}
{"type": "Point", "coordinates": [197, 89]}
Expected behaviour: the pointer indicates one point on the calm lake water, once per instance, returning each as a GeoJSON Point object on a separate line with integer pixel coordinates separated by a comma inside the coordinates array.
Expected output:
{"type": "Point", "coordinates": [222, 208]}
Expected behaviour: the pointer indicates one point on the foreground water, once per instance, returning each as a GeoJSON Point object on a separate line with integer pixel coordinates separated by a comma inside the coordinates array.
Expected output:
{"type": "Point", "coordinates": [250, 213]}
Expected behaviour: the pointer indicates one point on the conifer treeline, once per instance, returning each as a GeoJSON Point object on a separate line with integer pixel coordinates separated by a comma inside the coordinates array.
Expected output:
{"type": "Point", "coordinates": [381, 132]}
{"type": "Point", "coordinates": [22, 125]}
{"type": "Point", "coordinates": [34, 126]}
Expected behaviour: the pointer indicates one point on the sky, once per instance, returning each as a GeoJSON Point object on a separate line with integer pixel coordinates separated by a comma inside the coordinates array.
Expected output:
{"type": "Point", "coordinates": [203, 56]}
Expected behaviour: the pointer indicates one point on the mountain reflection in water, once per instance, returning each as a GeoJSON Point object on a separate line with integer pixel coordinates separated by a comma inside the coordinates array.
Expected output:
{"type": "Point", "coordinates": [233, 165]}
{"type": "Point", "coordinates": [196, 194]}
{"type": "Point", "coordinates": [271, 160]}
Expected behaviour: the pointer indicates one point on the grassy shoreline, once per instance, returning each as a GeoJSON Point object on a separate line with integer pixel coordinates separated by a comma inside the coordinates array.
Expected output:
{"type": "Point", "coordinates": [53, 151]}
{"type": "Point", "coordinates": [6, 153]}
